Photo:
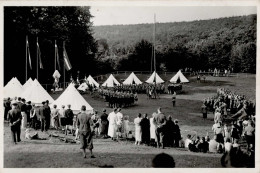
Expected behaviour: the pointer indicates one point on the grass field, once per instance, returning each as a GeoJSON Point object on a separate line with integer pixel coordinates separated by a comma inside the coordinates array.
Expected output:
{"type": "Point", "coordinates": [56, 154]}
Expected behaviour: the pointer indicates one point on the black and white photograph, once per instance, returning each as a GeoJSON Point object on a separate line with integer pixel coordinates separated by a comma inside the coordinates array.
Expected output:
{"type": "Point", "coordinates": [129, 85]}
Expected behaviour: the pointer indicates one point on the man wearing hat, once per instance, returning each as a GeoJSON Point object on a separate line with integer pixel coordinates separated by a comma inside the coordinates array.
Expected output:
{"type": "Point", "coordinates": [160, 122]}
{"type": "Point", "coordinates": [14, 117]}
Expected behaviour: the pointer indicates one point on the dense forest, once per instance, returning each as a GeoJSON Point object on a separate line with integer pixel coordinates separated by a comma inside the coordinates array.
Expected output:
{"type": "Point", "coordinates": [201, 45]}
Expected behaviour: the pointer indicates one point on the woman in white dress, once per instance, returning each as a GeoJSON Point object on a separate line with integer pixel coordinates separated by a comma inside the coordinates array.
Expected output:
{"type": "Point", "coordinates": [112, 124]}
{"type": "Point", "coordinates": [126, 126]}
{"type": "Point", "coordinates": [152, 129]}
{"type": "Point", "coordinates": [138, 131]}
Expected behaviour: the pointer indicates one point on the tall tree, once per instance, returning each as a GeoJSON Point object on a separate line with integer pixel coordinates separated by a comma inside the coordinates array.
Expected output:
{"type": "Point", "coordinates": [69, 24]}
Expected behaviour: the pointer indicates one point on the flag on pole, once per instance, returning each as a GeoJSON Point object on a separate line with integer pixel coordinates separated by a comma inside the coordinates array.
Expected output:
{"type": "Point", "coordinates": [39, 55]}
{"type": "Point", "coordinates": [66, 60]}
{"type": "Point", "coordinates": [27, 47]}
{"type": "Point", "coordinates": [57, 55]}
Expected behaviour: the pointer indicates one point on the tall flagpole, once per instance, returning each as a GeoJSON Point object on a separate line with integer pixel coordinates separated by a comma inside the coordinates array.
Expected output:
{"type": "Point", "coordinates": [37, 47]}
{"type": "Point", "coordinates": [154, 54]}
{"type": "Point", "coordinates": [64, 79]}
{"type": "Point", "coordinates": [26, 59]}
{"type": "Point", "coordinates": [55, 56]}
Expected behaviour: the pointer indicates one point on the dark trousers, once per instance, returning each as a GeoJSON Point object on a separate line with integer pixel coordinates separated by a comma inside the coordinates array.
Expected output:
{"type": "Point", "coordinates": [159, 133]}
{"type": "Point", "coordinates": [15, 132]}
{"type": "Point", "coordinates": [44, 125]}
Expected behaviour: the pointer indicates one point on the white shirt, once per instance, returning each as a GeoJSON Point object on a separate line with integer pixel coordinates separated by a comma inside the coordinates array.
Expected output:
{"type": "Point", "coordinates": [228, 146]}
{"type": "Point", "coordinates": [119, 118]}
{"type": "Point", "coordinates": [187, 142]}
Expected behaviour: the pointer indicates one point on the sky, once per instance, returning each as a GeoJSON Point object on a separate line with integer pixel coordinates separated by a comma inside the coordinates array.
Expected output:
{"type": "Point", "coordinates": [116, 15]}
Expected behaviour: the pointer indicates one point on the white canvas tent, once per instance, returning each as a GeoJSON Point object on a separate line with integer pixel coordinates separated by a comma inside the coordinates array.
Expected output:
{"type": "Point", "coordinates": [83, 87]}
{"type": "Point", "coordinates": [111, 81]}
{"type": "Point", "coordinates": [152, 78]}
{"type": "Point", "coordinates": [132, 79]}
{"type": "Point", "coordinates": [36, 93]}
{"type": "Point", "coordinates": [13, 88]}
{"type": "Point", "coordinates": [92, 81]}
{"type": "Point", "coordinates": [179, 78]}
{"type": "Point", "coordinates": [72, 96]}
{"type": "Point", "coordinates": [27, 84]}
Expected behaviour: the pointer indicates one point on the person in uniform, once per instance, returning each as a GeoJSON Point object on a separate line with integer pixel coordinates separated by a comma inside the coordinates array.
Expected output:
{"type": "Point", "coordinates": [24, 115]}
{"type": "Point", "coordinates": [85, 126]}
{"type": "Point", "coordinates": [173, 98]}
{"type": "Point", "coordinates": [14, 117]}
{"type": "Point", "coordinates": [204, 110]}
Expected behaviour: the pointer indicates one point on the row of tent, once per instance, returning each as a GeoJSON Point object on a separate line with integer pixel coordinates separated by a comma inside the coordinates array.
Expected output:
{"type": "Point", "coordinates": [133, 79]}
{"type": "Point", "coordinates": [34, 92]}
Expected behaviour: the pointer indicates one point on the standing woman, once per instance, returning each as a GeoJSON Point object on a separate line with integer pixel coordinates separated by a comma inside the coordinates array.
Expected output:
{"type": "Point", "coordinates": [104, 124]}
{"type": "Point", "coordinates": [152, 129]}
{"type": "Point", "coordinates": [138, 130]}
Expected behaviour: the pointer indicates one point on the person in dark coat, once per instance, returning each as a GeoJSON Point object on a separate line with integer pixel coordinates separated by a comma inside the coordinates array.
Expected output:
{"type": "Point", "coordinates": [28, 109]}
{"type": "Point", "coordinates": [47, 112]}
{"type": "Point", "coordinates": [176, 133]}
{"type": "Point", "coordinates": [104, 124]}
{"type": "Point", "coordinates": [14, 117]}
{"type": "Point", "coordinates": [145, 127]}
{"type": "Point", "coordinates": [7, 106]}
{"type": "Point", "coordinates": [169, 131]}
{"type": "Point", "coordinates": [69, 118]}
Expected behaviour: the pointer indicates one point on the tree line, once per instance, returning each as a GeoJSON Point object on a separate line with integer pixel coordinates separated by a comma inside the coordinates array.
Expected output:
{"type": "Point", "coordinates": [225, 43]}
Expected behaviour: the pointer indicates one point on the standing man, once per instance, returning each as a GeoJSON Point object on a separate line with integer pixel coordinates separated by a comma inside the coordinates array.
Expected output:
{"type": "Point", "coordinates": [28, 110]}
{"type": "Point", "coordinates": [69, 118]}
{"type": "Point", "coordinates": [14, 117]}
{"type": "Point", "coordinates": [173, 98]}
{"type": "Point", "coordinates": [112, 124]}
{"type": "Point", "coordinates": [160, 121]}
{"type": "Point", "coordinates": [119, 123]}
{"type": "Point", "coordinates": [7, 106]}
{"type": "Point", "coordinates": [85, 126]}
{"type": "Point", "coordinates": [47, 114]}
{"type": "Point", "coordinates": [42, 117]}
{"type": "Point", "coordinates": [204, 110]}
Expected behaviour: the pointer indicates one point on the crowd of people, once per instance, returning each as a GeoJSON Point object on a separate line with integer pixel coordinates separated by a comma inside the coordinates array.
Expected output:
{"type": "Point", "coordinates": [158, 131]}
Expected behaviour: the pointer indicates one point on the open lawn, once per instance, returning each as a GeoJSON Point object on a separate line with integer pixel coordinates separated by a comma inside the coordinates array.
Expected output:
{"type": "Point", "coordinates": [57, 154]}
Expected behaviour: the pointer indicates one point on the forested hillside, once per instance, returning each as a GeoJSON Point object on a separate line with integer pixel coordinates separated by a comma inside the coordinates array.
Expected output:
{"type": "Point", "coordinates": [218, 43]}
